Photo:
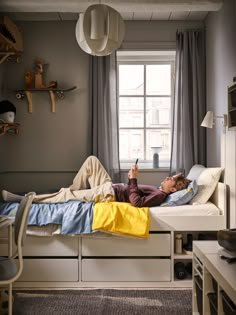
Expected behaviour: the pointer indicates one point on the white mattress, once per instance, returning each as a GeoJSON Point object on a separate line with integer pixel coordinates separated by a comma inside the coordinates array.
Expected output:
{"type": "Point", "coordinates": [205, 209]}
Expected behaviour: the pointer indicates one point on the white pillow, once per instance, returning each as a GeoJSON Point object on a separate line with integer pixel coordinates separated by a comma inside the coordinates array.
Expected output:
{"type": "Point", "coordinates": [206, 182]}
{"type": "Point", "coordinates": [181, 197]}
{"type": "Point", "coordinates": [195, 171]}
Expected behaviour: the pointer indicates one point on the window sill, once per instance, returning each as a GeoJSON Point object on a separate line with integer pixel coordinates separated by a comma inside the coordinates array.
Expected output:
{"type": "Point", "coordinates": [148, 170]}
{"type": "Point", "coordinates": [145, 167]}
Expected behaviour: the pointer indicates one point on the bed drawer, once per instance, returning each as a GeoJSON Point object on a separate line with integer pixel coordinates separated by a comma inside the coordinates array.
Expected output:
{"type": "Point", "coordinates": [51, 246]}
{"type": "Point", "coordinates": [50, 270]}
{"type": "Point", "coordinates": [126, 270]}
{"type": "Point", "coordinates": [155, 245]}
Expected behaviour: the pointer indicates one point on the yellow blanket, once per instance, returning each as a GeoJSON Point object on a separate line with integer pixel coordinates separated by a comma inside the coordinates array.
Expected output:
{"type": "Point", "coordinates": [121, 218]}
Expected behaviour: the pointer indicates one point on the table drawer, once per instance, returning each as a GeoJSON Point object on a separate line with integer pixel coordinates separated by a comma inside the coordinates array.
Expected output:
{"type": "Point", "coordinates": [126, 269]}
{"type": "Point", "coordinates": [155, 245]}
{"type": "Point", "coordinates": [50, 270]}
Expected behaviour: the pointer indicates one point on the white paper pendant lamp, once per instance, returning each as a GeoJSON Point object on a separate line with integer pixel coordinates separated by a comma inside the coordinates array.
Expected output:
{"type": "Point", "coordinates": [100, 30]}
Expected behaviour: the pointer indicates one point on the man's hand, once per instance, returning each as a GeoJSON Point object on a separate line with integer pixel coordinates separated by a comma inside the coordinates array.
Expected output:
{"type": "Point", "coordinates": [133, 172]}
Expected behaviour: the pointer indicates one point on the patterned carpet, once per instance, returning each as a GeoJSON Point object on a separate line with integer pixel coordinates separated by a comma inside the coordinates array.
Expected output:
{"type": "Point", "coordinates": [103, 302]}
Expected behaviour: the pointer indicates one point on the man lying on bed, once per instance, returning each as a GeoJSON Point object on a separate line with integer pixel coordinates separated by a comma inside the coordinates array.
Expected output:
{"type": "Point", "coordinates": [92, 183]}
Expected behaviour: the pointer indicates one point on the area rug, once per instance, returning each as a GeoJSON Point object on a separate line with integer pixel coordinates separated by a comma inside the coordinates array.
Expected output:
{"type": "Point", "coordinates": [103, 302]}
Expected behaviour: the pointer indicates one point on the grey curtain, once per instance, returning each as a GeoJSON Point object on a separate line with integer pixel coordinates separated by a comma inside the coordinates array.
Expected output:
{"type": "Point", "coordinates": [188, 137]}
{"type": "Point", "coordinates": [104, 113]}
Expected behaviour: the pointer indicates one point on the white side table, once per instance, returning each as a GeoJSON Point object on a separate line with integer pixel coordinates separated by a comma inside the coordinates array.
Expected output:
{"type": "Point", "coordinates": [208, 265]}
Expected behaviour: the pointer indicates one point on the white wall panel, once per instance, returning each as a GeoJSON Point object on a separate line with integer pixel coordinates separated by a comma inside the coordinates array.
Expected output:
{"type": "Point", "coordinates": [221, 68]}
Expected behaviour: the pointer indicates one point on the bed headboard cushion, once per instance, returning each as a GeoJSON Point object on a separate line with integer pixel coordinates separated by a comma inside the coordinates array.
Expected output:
{"type": "Point", "coordinates": [195, 171]}
{"type": "Point", "coordinates": [219, 197]}
{"type": "Point", "coordinates": [206, 182]}
{"type": "Point", "coordinates": [181, 197]}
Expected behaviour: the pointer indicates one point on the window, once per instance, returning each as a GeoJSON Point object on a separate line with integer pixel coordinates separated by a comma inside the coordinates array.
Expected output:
{"type": "Point", "coordinates": [145, 85]}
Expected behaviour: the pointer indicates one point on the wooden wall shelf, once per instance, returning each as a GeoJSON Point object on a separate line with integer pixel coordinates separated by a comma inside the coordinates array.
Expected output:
{"type": "Point", "coordinates": [9, 128]}
{"type": "Point", "coordinates": [60, 93]}
{"type": "Point", "coordinates": [11, 43]}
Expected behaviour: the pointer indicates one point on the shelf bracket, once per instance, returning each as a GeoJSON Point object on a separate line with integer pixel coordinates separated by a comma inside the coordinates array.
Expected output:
{"type": "Point", "coordinates": [29, 99]}
{"type": "Point", "coordinates": [53, 102]}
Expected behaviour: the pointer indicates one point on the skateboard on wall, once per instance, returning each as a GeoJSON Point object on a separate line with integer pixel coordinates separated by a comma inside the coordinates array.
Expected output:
{"type": "Point", "coordinates": [59, 92]}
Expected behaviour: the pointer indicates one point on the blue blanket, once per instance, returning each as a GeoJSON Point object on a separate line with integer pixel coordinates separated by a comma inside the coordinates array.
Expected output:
{"type": "Point", "coordinates": [75, 217]}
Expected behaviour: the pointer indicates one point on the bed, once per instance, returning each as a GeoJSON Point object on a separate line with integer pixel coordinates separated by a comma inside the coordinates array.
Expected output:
{"type": "Point", "coordinates": [101, 259]}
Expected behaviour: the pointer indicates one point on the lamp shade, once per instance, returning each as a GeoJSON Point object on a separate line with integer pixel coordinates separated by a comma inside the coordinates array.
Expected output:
{"type": "Point", "coordinates": [208, 120]}
{"type": "Point", "coordinates": [100, 30]}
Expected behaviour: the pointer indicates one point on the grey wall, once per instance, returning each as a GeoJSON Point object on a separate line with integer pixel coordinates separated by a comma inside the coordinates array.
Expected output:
{"type": "Point", "coordinates": [52, 146]}
{"type": "Point", "coordinates": [221, 68]}
{"type": "Point", "coordinates": [47, 142]}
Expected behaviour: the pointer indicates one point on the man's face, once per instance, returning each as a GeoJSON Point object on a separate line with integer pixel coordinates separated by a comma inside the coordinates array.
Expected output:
{"type": "Point", "coordinates": [168, 184]}
{"type": "Point", "coordinates": [173, 183]}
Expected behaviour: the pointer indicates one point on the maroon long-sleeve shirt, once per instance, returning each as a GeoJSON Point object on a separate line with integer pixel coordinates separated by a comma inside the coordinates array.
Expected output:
{"type": "Point", "coordinates": [139, 195]}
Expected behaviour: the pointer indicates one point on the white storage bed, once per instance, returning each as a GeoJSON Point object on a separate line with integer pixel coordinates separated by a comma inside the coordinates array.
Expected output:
{"type": "Point", "coordinates": [102, 260]}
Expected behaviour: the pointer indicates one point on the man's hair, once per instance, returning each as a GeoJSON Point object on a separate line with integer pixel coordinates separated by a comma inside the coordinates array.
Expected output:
{"type": "Point", "coordinates": [181, 182]}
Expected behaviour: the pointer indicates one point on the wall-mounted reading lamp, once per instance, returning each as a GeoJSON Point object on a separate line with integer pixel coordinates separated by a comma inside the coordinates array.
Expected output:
{"type": "Point", "coordinates": [208, 120]}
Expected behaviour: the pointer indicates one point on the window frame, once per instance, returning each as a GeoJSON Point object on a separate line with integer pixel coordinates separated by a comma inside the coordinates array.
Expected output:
{"type": "Point", "coordinates": [146, 58]}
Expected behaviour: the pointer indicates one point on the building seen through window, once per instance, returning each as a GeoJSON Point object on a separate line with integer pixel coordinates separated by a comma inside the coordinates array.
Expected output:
{"type": "Point", "coordinates": [145, 81]}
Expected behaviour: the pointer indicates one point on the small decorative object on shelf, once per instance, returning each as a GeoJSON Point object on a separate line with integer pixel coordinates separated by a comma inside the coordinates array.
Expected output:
{"type": "Point", "coordinates": [38, 80]}
{"type": "Point", "coordinates": [7, 116]}
{"type": "Point", "coordinates": [39, 86]}
{"type": "Point", "coordinates": [7, 112]}
{"type": "Point", "coordinates": [178, 243]}
{"type": "Point", "coordinates": [180, 271]}
{"type": "Point", "coordinates": [155, 153]}
{"type": "Point", "coordinates": [28, 79]}
{"type": "Point", "coordinates": [188, 247]}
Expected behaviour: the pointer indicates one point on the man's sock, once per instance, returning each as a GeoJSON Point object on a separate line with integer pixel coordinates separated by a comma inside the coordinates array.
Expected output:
{"type": "Point", "coordinates": [8, 196]}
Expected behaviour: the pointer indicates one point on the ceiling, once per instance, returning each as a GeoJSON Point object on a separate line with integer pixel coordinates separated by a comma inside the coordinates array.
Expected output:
{"type": "Point", "coordinates": [149, 10]}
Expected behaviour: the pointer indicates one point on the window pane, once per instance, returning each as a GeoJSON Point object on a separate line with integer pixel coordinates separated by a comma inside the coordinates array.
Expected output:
{"type": "Point", "coordinates": [158, 80]}
{"type": "Point", "coordinates": [131, 112]}
{"type": "Point", "coordinates": [159, 138]}
{"type": "Point", "coordinates": [131, 144]}
{"type": "Point", "coordinates": [158, 111]}
{"type": "Point", "coordinates": [131, 80]}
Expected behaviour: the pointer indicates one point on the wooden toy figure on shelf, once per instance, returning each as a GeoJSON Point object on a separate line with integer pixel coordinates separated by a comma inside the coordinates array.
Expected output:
{"type": "Point", "coordinates": [39, 67]}
{"type": "Point", "coordinates": [28, 79]}
{"type": "Point", "coordinates": [38, 74]}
